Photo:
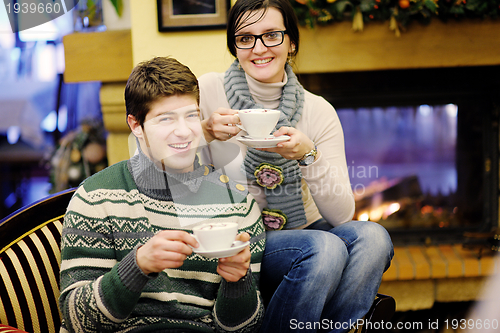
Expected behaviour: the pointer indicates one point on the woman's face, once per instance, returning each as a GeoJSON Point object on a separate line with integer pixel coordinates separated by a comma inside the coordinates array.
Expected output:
{"type": "Point", "coordinates": [265, 64]}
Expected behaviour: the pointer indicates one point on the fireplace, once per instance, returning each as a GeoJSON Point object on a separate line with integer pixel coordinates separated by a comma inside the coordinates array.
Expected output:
{"type": "Point", "coordinates": [422, 148]}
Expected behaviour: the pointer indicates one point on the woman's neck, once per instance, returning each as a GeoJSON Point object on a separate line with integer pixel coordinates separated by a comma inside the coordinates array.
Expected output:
{"type": "Point", "coordinates": [266, 94]}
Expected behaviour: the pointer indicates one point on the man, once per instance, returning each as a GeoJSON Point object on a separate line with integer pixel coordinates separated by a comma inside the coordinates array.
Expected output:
{"type": "Point", "coordinates": [126, 250]}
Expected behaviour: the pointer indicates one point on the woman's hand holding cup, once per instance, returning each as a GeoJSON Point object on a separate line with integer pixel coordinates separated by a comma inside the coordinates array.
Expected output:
{"type": "Point", "coordinates": [221, 125]}
{"type": "Point", "coordinates": [295, 148]}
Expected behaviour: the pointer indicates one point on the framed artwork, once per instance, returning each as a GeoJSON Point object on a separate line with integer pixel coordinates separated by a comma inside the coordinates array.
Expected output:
{"type": "Point", "coordinates": [192, 14]}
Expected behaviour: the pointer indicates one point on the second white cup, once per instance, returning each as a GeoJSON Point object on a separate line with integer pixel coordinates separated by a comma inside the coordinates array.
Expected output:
{"type": "Point", "coordinates": [259, 123]}
{"type": "Point", "coordinates": [216, 236]}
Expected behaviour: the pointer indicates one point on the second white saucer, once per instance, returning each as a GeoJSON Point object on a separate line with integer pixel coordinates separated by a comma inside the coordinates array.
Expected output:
{"type": "Point", "coordinates": [234, 249]}
{"type": "Point", "coordinates": [268, 142]}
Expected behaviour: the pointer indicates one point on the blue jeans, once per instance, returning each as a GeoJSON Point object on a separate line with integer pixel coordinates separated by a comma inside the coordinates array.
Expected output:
{"type": "Point", "coordinates": [316, 280]}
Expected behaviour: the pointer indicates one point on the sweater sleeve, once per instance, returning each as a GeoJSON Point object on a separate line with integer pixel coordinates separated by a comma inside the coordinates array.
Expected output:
{"type": "Point", "coordinates": [97, 292]}
{"type": "Point", "coordinates": [239, 306]}
{"type": "Point", "coordinates": [328, 177]}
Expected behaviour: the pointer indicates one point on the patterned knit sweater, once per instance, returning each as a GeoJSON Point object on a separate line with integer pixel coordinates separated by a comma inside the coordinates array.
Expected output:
{"type": "Point", "coordinates": [115, 211]}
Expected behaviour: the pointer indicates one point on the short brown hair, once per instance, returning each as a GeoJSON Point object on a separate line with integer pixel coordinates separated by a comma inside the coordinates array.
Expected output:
{"type": "Point", "coordinates": [156, 78]}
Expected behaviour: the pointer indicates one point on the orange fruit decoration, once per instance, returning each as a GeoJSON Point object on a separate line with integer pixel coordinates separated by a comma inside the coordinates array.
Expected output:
{"type": "Point", "coordinates": [404, 4]}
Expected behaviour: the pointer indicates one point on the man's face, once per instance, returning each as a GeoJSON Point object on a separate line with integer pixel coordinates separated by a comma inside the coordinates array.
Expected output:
{"type": "Point", "coordinates": [171, 133]}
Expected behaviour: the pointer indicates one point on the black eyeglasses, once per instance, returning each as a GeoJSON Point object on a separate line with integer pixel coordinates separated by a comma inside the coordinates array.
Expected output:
{"type": "Point", "coordinates": [269, 39]}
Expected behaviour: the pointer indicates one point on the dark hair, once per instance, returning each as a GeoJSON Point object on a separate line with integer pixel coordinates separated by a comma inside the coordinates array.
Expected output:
{"type": "Point", "coordinates": [156, 78]}
{"type": "Point", "coordinates": [237, 20]}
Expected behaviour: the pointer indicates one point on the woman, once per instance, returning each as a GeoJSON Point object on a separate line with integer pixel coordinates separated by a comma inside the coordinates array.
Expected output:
{"type": "Point", "coordinates": [327, 279]}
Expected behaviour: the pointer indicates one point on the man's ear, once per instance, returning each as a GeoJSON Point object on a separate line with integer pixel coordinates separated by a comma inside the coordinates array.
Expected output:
{"type": "Point", "coordinates": [135, 127]}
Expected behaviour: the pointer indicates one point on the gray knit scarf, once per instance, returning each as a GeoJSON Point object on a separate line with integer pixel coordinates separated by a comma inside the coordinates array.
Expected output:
{"type": "Point", "coordinates": [285, 198]}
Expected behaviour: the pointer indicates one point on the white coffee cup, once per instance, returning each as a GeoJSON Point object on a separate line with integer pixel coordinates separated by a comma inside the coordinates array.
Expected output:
{"type": "Point", "coordinates": [216, 236]}
{"type": "Point", "coordinates": [259, 123]}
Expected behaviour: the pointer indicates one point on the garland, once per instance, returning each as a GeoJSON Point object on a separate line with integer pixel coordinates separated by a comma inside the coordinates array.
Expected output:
{"type": "Point", "coordinates": [399, 13]}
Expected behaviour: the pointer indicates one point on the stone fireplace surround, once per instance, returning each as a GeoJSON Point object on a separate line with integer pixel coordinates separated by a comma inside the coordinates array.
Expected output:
{"type": "Point", "coordinates": [475, 90]}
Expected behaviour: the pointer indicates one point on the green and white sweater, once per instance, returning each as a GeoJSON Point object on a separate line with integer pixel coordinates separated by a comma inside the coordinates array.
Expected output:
{"type": "Point", "coordinates": [120, 208]}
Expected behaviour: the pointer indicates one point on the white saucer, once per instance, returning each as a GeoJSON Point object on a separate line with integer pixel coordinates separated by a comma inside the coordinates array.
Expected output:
{"type": "Point", "coordinates": [234, 249]}
{"type": "Point", "coordinates": [268, 142]}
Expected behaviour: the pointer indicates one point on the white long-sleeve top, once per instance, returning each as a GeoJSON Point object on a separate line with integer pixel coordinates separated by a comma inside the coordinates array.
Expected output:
{"type": "Point", "coordinates": [326, 189]}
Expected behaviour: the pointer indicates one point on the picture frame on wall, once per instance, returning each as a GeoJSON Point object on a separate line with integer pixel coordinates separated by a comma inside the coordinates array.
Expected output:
{"type": "Point", "coordinates": [192, 14]}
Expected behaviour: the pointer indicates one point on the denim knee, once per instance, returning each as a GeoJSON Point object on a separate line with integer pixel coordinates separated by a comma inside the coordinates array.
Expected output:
{"type": "Point", "coordinates": [316, 251]}
{"type": "Point", "coordinates": [323, 259]}
{"type": "Point", "coordinates": [379, 241]}
{"type": "Point", "coordinates": [368, 239]}
{"type": "Point", "coordinates": [330, 254]}
{"type": "Point", "coordinates": [378, 236]}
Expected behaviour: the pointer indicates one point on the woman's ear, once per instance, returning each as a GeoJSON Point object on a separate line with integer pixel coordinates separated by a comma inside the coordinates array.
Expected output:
{"type": "Point", "coordinates": [135, 127]}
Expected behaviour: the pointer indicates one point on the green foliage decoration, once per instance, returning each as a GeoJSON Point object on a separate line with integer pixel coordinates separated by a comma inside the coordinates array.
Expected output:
{"type": "Point", "coordinates": [399, 13]}
{"type": "Point", "coordinates": [118, 4]}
